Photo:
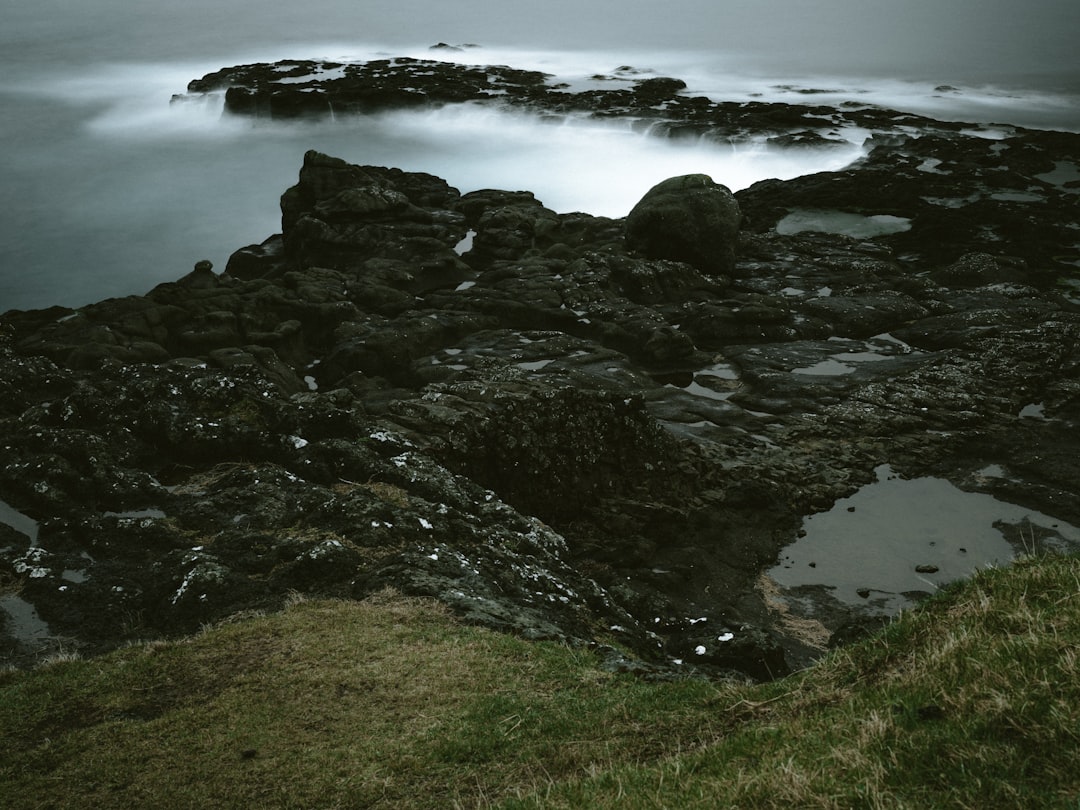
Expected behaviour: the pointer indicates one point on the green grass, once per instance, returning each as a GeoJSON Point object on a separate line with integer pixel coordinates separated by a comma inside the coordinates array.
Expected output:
{"type": "Point", "coordinates": [971, 701]}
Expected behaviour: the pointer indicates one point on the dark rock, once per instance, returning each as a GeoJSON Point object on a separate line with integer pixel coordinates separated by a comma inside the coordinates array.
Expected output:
{"type": "Point", "coordinates": [656, 282]}
{"type": "Point", "coordinates": [264, 260]}
{"type": "Point", "coordinates": [511, 231]}
{"type": "Point", "coordinates": [657, 89]}
{"type": "Point", "coordinates": [807, 139]}
{"type": "Point", "coordinates": [554, 453]}
{"type": "Point", "coordinates": [688, 219]}
{"type": "Point", "coordinates": [744, 649]}
{"type": "Point", "coordinates": [981, 269]}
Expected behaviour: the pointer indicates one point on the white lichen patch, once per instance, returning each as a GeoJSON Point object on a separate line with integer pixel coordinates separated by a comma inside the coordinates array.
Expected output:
{"type": "Point", "coordinates": [462, 560]}
{"type": "Point", "coordinates": [326, 548]}
{"type": "Point", "coordinates": [386, 437]}
{"type": "Point", "coordinates": [32, 563]}
{"type": "Point", "coordinates": [203, 573]}
{"type": "Point", "coordinates": [541, 576]}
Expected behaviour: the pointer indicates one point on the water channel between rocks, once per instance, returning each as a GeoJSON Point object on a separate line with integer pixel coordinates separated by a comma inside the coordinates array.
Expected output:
{"type": "Point", "coordinates": [19, 522]}
{"type": "Point", "coordinates": [17, 616]}
{"type": "Point", "coordinates": [896, 539]}
{"type": "Point", "coordinates": [20, 619]}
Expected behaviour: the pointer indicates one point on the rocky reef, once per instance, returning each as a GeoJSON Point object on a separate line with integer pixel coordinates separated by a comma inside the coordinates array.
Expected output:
{"type": "Point", "coordinates": [564, 426]}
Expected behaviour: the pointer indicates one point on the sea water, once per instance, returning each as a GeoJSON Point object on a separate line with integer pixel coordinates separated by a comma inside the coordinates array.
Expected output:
{"type": "Point", "coordinates": [108, 189]}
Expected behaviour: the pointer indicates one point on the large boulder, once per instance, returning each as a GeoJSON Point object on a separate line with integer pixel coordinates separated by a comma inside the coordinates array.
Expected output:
{"type": "Point", "coordinates": [688, 219]}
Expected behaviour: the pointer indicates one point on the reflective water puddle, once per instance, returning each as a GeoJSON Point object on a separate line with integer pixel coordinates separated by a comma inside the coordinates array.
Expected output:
{"type": "Point", "coordinates": [896, 538]}
{"type": "Point", "coordinates": [856, 226]}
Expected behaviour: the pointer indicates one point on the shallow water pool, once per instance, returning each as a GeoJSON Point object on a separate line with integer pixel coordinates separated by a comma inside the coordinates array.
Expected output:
{"type": "Point", "coordinates": [896, 537]}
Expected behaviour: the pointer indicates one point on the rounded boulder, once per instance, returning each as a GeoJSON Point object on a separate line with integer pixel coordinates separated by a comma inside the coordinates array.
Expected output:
{"type": "Point", "coordinates": [689, 219]}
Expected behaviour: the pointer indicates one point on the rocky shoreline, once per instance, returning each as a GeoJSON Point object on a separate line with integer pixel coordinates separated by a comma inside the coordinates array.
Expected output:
{"type": "Point", "coordinates": [564, 426]}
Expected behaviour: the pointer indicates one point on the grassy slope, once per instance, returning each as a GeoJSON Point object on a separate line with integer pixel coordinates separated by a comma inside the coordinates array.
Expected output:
{"type": "Point", "coordinates": [972, 701]}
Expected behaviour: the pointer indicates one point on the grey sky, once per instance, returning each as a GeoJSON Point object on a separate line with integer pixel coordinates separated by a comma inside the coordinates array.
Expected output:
{"type": "Point", "coordinates": [1001, 37]}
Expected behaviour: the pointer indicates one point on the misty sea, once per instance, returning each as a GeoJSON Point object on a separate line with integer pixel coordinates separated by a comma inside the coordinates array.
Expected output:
{"type": "Point", "coordinates": [108, 189]}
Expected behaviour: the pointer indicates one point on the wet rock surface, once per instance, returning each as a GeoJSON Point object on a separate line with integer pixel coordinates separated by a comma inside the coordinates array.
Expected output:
{"type": "Point", "coordinates": [528, 415]}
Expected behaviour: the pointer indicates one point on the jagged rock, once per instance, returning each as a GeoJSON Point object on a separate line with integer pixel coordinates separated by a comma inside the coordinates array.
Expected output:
{"type": "Point", "coordinates": [512, 231]}
{"type": "Point", "coordinates": [339, 216]}
{"type": "Point", "coordinates": [660, 282]}
{"type": "Point", "coordinates": [981, 269]}
{"type": "Point", "coordinates": [807, 139]}
{"type": "Point", "coordinates": [553, 452]}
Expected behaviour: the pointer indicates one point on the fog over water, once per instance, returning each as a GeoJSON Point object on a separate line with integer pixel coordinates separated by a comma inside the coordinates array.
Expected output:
{"type": "Point", "coordinates": [108, 190]}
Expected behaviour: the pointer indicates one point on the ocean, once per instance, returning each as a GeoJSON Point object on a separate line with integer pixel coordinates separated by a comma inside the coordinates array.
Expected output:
{"type": "Point", "coordinates": [109, 190]}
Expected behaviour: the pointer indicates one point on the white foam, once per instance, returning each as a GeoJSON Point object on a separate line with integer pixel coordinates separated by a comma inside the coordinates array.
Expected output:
{"type": "Point", "coordinates": [599, 167]}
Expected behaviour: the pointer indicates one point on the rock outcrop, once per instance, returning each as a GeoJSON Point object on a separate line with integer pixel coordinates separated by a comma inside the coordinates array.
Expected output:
{"type": "Point", "coordinates": [551, 422]}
